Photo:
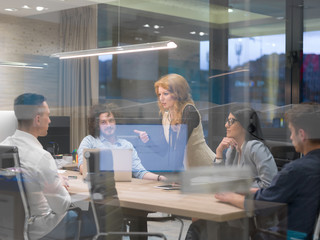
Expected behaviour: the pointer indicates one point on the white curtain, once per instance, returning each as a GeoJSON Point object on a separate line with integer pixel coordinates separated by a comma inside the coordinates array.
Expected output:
{"type": "Point", "coordinates": [78, 84]}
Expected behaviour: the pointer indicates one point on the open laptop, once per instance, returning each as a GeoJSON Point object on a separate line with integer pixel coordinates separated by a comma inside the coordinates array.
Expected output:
{"type": "Point", "coordinates": [117, 160]}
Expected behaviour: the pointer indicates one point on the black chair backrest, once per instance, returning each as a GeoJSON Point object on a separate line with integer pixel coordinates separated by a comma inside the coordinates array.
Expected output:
{"type": "Point", "coordinates": [14, 207]}
{"type": "Point", "coordinates": [283, 155]}
{"type": "Point", "coordinates": [285, 152]}
{"type": "Point", "coordinates": [7, 157]}
{"type": "Point", "coordinates": [282, 152]}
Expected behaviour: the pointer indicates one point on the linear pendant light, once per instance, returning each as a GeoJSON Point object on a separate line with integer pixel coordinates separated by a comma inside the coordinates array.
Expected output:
{"type": "Point", "coordinates": [153, 46]}
{"type": "Point", "coordinates": [24, 65]}
{"type": "Point", "coordinates": [117, 50]}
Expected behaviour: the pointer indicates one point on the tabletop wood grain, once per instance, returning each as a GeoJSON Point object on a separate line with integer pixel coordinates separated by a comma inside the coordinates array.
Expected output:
{"type": "Point", "coordinates": [143, 195]}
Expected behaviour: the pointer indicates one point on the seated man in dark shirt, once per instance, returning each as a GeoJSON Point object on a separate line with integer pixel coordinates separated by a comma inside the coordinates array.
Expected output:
{"type": "Point", "coordinates": [298, 183]}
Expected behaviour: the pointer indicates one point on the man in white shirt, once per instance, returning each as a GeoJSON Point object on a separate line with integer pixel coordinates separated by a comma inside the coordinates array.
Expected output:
{"type": "Point", "coordinates": [47, 193]}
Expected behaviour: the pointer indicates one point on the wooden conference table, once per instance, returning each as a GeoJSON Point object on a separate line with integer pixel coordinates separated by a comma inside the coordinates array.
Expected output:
{"type": "Point", "coordinates": [142, 195]}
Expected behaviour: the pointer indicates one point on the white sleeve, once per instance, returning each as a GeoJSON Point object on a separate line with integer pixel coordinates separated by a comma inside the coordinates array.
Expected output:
{"type": "Point", "coordinates": [57, 196]}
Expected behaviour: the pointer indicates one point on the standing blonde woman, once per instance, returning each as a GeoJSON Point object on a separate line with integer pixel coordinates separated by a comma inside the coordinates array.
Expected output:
{"type": "Point", "coordinates": [181, 121]}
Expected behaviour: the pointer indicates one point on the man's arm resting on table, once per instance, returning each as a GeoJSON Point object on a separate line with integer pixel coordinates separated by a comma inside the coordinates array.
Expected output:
{"type": "Point", "coordinates": [152, 176]}
{"type": "Point", "coordinates": [232, 198]}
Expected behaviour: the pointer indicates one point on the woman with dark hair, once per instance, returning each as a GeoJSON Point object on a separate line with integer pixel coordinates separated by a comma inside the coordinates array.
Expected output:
{"type": "Point", "coordinates": [244, 146]}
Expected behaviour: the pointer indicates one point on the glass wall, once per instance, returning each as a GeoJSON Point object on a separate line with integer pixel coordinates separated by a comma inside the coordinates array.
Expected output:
{"type": "Point", "coordinates": [310, 66]}
{"type": "Point", "coordinates": [264, 54]}
{"type": "Point", "coordinates": [228, 52]}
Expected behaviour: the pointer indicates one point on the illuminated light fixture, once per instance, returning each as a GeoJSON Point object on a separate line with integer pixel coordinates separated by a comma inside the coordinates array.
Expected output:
{"type": "Point", "coordinates": [230, 10]}
{"type": "Point", "coordinates": [143, 47]}
{"type": "Point", "coordinates": [39, 8]}
{"type": "Point", "coordinates": [11, 9]}
{"type": "Point", "coordinates": [117, 50]}
{"type": "Point", "coordinates": [26, 7]}
{"type": "Point", "coordinates": [23, 65]}
{"type": "Point", "coordinates": [193, 33]}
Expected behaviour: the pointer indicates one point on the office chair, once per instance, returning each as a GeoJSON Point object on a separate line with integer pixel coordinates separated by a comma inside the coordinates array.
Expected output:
{"type": "Point", "coordinates": [12, 191]}
{"type": "Point", "coordinates": [105, 203]}
{"type": "Point", "coordinates": [13, 196]}
{"type": "Point", "coordinates": [282, 153]}
{"type": "Point", "coordinates": [261, 232]}
{"type": "Point", "coordinates": [266, 215]}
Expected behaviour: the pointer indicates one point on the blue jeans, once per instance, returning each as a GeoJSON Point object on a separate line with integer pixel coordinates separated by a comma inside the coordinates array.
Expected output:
{"type": "Point", "coordinates": [68, 226]}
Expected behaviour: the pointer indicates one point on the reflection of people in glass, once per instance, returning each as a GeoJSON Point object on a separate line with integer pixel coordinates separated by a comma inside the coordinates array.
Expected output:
{"type": "Point", "coordinates": [181, 124]}
{"type": "Point", "coordinates": [245, 146]}
{"type": "Point", "coordinates": [102, 129]}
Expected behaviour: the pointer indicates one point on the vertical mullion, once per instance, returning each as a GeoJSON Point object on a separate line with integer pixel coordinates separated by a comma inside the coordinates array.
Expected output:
{"type": "Point", "coordinates": [294, 50]}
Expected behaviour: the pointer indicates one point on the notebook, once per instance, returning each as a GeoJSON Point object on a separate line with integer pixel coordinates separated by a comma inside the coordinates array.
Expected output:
{"type": "Point", "coordinates": [117, 160]}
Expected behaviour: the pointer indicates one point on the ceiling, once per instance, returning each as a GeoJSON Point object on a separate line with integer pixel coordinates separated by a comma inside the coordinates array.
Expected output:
{"type": "Point", "coordinates": [263, 17]}
{"type": "Point", "coordinates": [19, 8]}
{"type": "Point", "coordinates": [191, 9]}
{"type": "Point", "coordinates": [184, 8]}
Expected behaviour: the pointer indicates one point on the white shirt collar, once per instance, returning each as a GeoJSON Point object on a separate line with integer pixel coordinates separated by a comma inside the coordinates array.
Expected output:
{"type": "Point", "coordinates": [27, 135]}
{"type": "Point", "coordinates": [103, 139]}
